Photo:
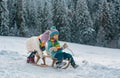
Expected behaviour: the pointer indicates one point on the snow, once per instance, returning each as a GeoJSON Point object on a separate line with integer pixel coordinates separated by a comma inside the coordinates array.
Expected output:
{"type": "Point", "coordinates": [99, 62]}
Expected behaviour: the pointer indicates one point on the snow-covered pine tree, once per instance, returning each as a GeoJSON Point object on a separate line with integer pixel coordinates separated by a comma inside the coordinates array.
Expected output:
{"type": "Point", "coordinates": [19, 18]}
{"type": "Point", "coordinates": [4, 20]}
{"type": "Point", "coordinates": [72, 20]}
{"type": "Point", "coordinates": [94, 8]}
{"type": "Point", "coordinates": [33, 17]}
{"type": "Point", "coordinates": [117, 15]}
{"type": "Point", "coordinates": [106, 31]}
{"type": "Point", "coordinates": [60, 19]}
{"type": "Point", "coordinates": [85, 32]}
{"type": "Point", "coordinates": [12, 9]}
{"type": "Point", "coordinates": [26, 18]}
{"type": "Point", "coordinates": [117, 21]}
{"type": "Point", "coordinates": [66, 28]}
{"type": "Point", "coordinates": [1, 10]}
{"type": "Point", "coordinates": [39, 18]}
{"type": "Point", "coordinates": [46, 17]}
{"type": "Point", "coordinates": [30, 17]}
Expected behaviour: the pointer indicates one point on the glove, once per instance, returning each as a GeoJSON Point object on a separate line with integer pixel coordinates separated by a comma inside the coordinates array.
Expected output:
{"type": "Point", "coordinates": [65, 45]}
{"type": "Point", "coordinates": [53, 49]}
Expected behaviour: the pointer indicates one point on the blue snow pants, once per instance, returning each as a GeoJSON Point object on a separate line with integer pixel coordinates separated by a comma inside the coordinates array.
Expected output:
{"type": "Point", "coordinates": [64, 55]}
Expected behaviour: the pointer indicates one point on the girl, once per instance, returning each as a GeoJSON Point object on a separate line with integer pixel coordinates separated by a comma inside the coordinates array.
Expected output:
{"type": "Point", "coordinates": [56, 51]}
{"type": "Point", "coordinates": [36, 46]}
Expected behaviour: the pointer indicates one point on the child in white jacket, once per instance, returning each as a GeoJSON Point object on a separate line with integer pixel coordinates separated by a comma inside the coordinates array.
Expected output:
{"type": "Point", "coordinates": [36, 46]}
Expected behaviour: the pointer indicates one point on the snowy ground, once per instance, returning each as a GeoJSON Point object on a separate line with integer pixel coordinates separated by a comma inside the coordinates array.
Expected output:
{"type": "Point", "coordinates": [102, 62]}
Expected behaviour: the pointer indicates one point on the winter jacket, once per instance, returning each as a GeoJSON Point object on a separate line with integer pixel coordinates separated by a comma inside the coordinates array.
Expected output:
{"type": "Point", "coordinates": [52, 53]}
{"type": "Point", "coordinates": [32, 44]}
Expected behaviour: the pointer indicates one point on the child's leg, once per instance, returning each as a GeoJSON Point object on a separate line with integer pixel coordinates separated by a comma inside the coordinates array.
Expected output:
{"type": "Point", "coordinates": [69, 57]}
{"type": "Point", "coordinates": [59, 57]}
{"type": "Point", "coordinates": [32, 54]}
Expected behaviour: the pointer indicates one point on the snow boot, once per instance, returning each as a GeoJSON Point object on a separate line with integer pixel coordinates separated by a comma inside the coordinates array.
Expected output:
{"type": "Point", "coordinates": [30, 58]}
{"type": "Point", "coordinates": [75, 66]}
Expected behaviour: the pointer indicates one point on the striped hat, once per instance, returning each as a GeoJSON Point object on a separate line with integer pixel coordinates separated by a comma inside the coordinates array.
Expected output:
{"type": "Point", "coordinates": [53, 31]}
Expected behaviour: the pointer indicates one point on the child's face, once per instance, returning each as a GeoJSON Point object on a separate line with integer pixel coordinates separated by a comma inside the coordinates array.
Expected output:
{"type": "Point", "coordinates": [55, 36]}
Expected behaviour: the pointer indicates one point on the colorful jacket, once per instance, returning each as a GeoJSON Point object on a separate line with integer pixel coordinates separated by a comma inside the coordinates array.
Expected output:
{"type": "Point", "coordinates": [52, 44]}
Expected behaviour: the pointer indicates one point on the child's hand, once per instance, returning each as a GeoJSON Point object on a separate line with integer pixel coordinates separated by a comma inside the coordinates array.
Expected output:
{"type": "Point", "coordinates": [53, 49]}
{"type": "Point", "coordinates": [65, 45]}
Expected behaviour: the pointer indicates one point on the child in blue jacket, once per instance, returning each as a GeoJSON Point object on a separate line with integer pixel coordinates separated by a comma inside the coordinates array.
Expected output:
{"type": "Point", "coordinates": [56, 51]}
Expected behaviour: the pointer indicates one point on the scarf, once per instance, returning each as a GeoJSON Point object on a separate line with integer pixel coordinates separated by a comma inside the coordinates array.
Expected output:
{"type": "Point", "coordinates": [41, 45]}
{"type": "Point", "coordinates": [55, 43]}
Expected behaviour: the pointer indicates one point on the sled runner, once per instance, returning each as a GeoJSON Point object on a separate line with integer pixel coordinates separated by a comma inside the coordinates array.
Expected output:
{"type": "Point", "coordinates": [40, 65]}
{"type": "Point", "coordinates": [67, 63]}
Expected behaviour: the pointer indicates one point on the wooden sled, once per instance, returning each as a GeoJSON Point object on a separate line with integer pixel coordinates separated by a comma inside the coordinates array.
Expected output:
{"type": "Point", "coordinates": [53, 62]}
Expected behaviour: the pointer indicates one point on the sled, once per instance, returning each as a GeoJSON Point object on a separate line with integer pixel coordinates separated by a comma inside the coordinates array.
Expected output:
{"type": "Point", "coordinates": [53, 62]}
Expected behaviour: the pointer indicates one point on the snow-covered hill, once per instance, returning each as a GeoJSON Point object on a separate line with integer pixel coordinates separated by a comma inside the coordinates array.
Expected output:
{"type": "Point", "coordinates": [101, 62]}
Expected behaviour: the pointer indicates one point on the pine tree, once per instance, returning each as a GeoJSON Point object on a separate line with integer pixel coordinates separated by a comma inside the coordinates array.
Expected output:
{"type": "Point", "coordinates": [12, 8]}
{"type": "Point", "coordinates": [72, 20]}
{"type": "Point", "coordinates": [117, 16]}
{"type": "Point", "coordinates": [19, 19]}
{"type": "Point", "coordinates": [1, 10]}
{"type": "Point", "coordinates": [106, 31]}
{"type": "Point", "coordinates": [30, 18]}
{"type": "Point", "coordinates": [84, 24]}
{"type": "Point", "coordinates": [46, 17]}
{"type": "Point", "coordinates": [117, 21]}
{"type": "Point", "coordinates": [4, 28]}
{"type": "Point", "coordinates": [60, 18]}
{"type": "Point", "coordinates": [94, 8]}
{"type": "Point", "coordinates": [26, 15]}
{"type": "Point", "coordinates": [39, 19]}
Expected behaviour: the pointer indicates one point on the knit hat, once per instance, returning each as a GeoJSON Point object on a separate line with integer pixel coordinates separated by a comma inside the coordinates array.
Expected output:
{"type": "Point", "coordinates": [53, 31]}
{"type": "Point", "coordinates": [53, 27]}
{"type": "Point", "coordinates": [45, 36]}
